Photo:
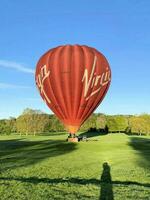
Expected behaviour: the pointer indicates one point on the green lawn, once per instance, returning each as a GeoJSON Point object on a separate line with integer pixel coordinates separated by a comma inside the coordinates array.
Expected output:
{"type": "Point", "coordinates": [46, 167]}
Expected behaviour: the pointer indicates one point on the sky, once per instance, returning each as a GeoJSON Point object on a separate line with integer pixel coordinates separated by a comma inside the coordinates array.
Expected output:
{"type": "Point", "coordinates": [118, 29]}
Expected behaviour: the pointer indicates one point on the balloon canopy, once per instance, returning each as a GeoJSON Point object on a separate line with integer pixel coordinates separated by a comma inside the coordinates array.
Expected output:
{"type": "Point", "coordinates": [73, 80]}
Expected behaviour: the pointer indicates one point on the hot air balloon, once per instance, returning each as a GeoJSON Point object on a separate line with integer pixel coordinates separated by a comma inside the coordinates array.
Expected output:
{"type": "Point", "coordinates": [73, 80]}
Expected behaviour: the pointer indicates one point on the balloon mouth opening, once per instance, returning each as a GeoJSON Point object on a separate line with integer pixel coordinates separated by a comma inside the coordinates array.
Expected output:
{"type": "Point", "coordinates": [72, 129]}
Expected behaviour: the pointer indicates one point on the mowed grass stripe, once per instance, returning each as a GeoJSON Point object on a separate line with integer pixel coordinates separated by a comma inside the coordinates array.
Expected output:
{"type": "Point", "coordinates": [116, 166]}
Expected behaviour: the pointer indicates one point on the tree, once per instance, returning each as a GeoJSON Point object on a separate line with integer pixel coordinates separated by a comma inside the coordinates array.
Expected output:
{"type": "Point", "coordinates": [11, 123]}
{"type": "Point", "coordinates": [101, 123]}
{"type": "Point", "coordinates": [136, 124]}
{"type": "Point", "coordinates": [32, 123]}
{"type": "Point", "coordinates": [35, 121]}
{"type": "Point", "coordinates": [4, 127]}
{"type": "Point", "coordinates": [140, 124]}
{"type": "Point", "coordinates": [29, 111]}
{"type": "Point", "coordinates": [117, 123]}
{"type": "Point", "coordinates": [89, 124]}
{"type": "Point", "coordinates": [146, 127]}
{"type": "Point", "coordinates": [55, 124]}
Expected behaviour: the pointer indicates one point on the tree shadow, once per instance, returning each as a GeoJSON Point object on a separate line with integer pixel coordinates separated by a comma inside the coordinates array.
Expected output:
{"type": "Point", "coordinates": [142, 145]}
{"type": "Point", "coordinates": [93, 132]}
{"type": "Point", "coordinates": [53, 133]}
{"type": "Point", "coordinates": [19, 152]}
{"type": "Point", "coordinates": [105, 183]}
{"type": "Point", "coordinates": [106, 192]}
{"type": "Point", "coordinates": [78, 181]}
{"type": "Point", "coordinates": [90, 134]}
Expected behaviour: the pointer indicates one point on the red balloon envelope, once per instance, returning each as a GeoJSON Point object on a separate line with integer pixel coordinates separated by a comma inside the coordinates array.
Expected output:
{"type": "Point", "coordinates": [73, 80]}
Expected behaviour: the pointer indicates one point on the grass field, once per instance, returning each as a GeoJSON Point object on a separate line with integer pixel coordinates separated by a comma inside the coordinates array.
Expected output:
{"type": "Point", "coordinates": [116, 166]}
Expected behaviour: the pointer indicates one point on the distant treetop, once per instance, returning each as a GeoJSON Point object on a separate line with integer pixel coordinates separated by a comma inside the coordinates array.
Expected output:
{"type": "Point", "coordinates": [30, 111]}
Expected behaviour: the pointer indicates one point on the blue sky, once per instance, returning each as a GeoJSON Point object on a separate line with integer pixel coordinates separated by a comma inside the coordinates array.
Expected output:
{"type": "Point", "coordinates": [119, 29]}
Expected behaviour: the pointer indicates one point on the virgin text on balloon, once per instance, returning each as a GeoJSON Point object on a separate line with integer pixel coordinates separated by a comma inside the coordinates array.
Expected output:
{"type": "Point", "coordinates": [93, 80]}
{"type": "Point", "coordinates": [41, 77]}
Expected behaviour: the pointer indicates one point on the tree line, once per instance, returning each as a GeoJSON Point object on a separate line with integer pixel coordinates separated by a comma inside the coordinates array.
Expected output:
{"type": "Point", "coordinates": [36, 122]}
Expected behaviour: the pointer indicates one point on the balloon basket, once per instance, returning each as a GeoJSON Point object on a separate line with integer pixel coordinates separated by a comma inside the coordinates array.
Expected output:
{"type": "Point", "coordinates": [72, 139]}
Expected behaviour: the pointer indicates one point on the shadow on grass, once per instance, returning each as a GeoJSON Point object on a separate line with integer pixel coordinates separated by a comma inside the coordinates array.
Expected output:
{"type": "Point", "coordinates": [90, 134]}
{"type": "Point", "coordinates": [106, 192]}
{"type": "Point", "coordinates": [105, 183]}
{"type": "Point", "coordinates": [52, 134]}
{"type": "Point", "coordinates": [79, 181]}
{"type": "Point", "coordinates": [142, 146]}
{"type": "Point", "coordinates": [19, 152]}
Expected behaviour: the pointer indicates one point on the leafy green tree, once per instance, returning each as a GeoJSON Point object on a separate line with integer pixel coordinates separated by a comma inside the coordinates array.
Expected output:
{"type": "Point", "coordinates": [29, 111]}
{"type": "Point", "coordinates": [146, 127]}
{"type": "Point", "coordinates": [35, 121]}
{"type": "Point", "coordinates": [11, 123]}
{"type": "Point", "coordinates": [32, 123]}
{"type": "Point", "coordinates": [117, 123]}
{"type": "Point", "coordinates": [4, 127]}
{"type": "Point", "coordinates": [140, 124]}
{"type": "Point", "coordinates": [136, 125]}
{"type": "Point", "coordinates": [89, 124]}
{"type": "Point", "coordinates": [101, 122]}
{"type": "Point", "coordinates": [56, 124]}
